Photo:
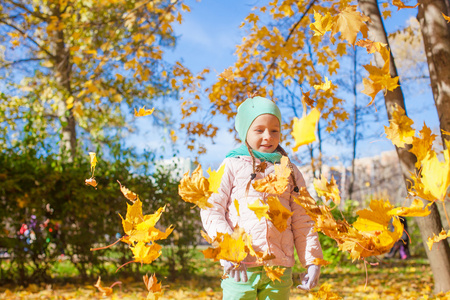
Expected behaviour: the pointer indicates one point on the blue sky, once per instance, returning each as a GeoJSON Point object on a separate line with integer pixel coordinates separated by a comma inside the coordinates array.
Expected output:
{"type": "Point", "coordinates": [207, 39]}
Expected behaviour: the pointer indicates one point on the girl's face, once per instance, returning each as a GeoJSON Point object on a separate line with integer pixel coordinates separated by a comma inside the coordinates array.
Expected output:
{"type": "Point", "coordinates": [264, 133]}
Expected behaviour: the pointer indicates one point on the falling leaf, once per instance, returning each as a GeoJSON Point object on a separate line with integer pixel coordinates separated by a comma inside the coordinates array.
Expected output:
{"type": "Point", "coordinates": [416, 209]}
{"type": "Point", "coordinates": [321, 24]}
{"type": "Point", "coordinates": [437, 238]}
{"type": "Point", "coordinates": [375, 218]}
{"type": "Point", "coordinates": [93, 161]}
{"type": "Point", "coordinates": [274, 272]}
{"type": "Point", "coordinates": [227, 74]}
{"type": "Point", "coordinates": [143, 112]}
{"type": "Point", "coordinates": [422, 145]}
{"type": "Point", "coordinates": [173, 136]}
{"type": "Point", "coordinates": [144, 253]}
{"type": "Point", "coordinates": [195, 189]}
{"type": "Point", "coordinates": [259, 209]}
{"type": "Point", "coordinates": [215, 177]}
{"type": "Point", "coordinates": [400, 131]}
{"type": "Point", "coordinates": [127, 193]}
{"type": "Point", "coordinates": [277, 182]}
{"type": "Point", "coordinates": [445, 132]}
{"type": "Point", "coordinates": [236, 205]}
{"type": "Point", "coordinates": [436, 174]}
{"type": "Point", "coordinates": [325, 86]}
{"type": "Point", "coordinates": [91, 182]}
{"type": "Point", "coordinates": [349, 23]}
{"type": "Point", "coordinates": [321, 262]}
{"type": "Point", "coordinates": [304, 130]}
{"type": "Point", "coordinates": [370, 46]}
{"type": "Point", "coordinates": [278, 214]}
{"type": "Point", "coordinates": [329, 190]}
{"type": "Point", "coordinates": [153, 287]}
{"type": "Point", "coordinates": [401, 5]}
{"type": "Point", "coordinates": [232, 247]}
{"type": "Point", "coordinates": [446, 17]}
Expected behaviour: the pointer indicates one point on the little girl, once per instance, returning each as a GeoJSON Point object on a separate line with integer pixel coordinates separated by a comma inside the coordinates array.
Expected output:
{"type": "Point", "coordinates": [258, 123]}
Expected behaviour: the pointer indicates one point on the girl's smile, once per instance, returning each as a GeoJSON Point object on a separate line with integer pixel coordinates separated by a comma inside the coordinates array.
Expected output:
{"type": "Point", "coordinates": [264, 133]}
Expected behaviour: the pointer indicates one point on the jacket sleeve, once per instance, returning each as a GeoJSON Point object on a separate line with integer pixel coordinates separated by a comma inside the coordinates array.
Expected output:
{"type": "Point", "coordinates": [305, 238]}
{"type": "Point", "coordinates": [215, 218]}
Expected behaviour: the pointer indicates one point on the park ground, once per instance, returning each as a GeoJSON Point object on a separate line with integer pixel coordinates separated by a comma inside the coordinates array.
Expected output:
{"type": "Point", "coordinates": [390, 279]}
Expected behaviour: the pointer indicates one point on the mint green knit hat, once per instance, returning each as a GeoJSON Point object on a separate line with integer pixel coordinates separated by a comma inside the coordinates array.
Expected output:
{"type": "Point", "coordinates": [249, 110]}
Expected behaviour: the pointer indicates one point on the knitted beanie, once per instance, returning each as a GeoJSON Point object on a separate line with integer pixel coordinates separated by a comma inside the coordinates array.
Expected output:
{"type": "Point", "coordinates": [249, 110]}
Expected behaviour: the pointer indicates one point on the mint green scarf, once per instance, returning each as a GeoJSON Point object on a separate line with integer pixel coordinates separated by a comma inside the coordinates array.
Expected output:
{"type": "Point", "coordinates": [243, 151]}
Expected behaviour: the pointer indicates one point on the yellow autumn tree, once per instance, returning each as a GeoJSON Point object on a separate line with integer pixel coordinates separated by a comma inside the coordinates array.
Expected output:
{"type": "Point", "coordinates": [93, 63]}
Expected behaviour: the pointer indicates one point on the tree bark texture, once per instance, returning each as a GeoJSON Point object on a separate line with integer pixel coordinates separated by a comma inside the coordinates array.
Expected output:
{"type": "Point", "coordinates": [439, 257]}
{"type": "Point", "coordinates": [436, 38]}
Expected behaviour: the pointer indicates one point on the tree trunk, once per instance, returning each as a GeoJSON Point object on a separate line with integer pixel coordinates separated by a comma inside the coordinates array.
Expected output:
{"type": "Point", "coordinates": [63, 70]}
{"type": "Point", "coordinates": [355, 128]}
{"type": "Point", "coordinates": [436, 38]}
{"type": "Point", "coordinates": [439, 257]}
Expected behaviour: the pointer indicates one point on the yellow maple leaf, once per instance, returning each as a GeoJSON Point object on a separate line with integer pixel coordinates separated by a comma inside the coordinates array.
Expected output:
{"type": "Point", "coordinates": [232, 247]}
{"type": "Point", "coordinates": [153, 287]}
{"type": "Point", "coordinates": [400, 131]}
{"type": "Point", "coordinates": [446, 17]}
{"type": "Point", "coordinates": [322, 24]}
{"type": "Point", "coordinates": [422, 145]}
{"type": "Point", "coordinates": [401, 5]}
{"type": "Point", "coordinates": [278, 214]}
{"type": "Point", "coordinates": [321, 262]}
{"type": "Point", "coordinates": [227, 74]}
{"type": "Point", "coordinates": [145, 253]}
{"type": "Point", "coordinates": [304, 130]}
{"type": "Point", "coordinates": [325, 86]}
{"type": "Point", "coordinates": [215, 177]}
{"type": "Point", "coordinates": [437, 238]}
{"type": "Point", "coordinates": [195, 189]}
{"type": "Point", "coordinates": [436, 174]}
{"type": "Point", "coordinates": [415, 210]}
{"type": "Point", "coordinates": [418, 189]}
{"type": "Point", "coordinates": [376, 218]}
{"type": "Point", "coordinates": [349, 23]}
{"type": "Point", "coordinates": [259, 209]}
{"type": "Point", "coordinates": [93, 158]}
{"type": "Point", "coordinates": [329, 190]}
{"type": "Point", "coordinates": [274, 272]}
{"type": "Point", "coordinates": [370, 46]}
{"type": "Point", "coordinates": [277, 182]}
{"type": "Point", "coordinates": [143, 112]}
{"type": "Point", "coordinates": [127, 193]}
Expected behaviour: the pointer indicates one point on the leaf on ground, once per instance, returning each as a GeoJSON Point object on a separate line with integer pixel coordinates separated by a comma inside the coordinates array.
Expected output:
{"type": "Point", "coordinates": [152, 286]}
{"type": "Point", "coordinates": [106, 291]}
{"type": "Point", "coordinates": [325, 292]}
{"type": "Point", "coordinates": [195, 189]}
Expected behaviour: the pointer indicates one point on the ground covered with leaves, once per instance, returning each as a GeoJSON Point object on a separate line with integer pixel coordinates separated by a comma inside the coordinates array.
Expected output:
{"type": "Point", "coordinates": [391, 279]}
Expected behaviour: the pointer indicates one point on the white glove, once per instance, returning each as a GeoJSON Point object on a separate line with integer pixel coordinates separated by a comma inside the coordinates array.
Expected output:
{"type": "Point", "coordinates": [238, 272]}
{"type": "Point", "coordinates": [310, 278]}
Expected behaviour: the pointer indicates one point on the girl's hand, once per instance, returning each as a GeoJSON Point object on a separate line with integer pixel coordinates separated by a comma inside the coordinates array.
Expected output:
{"type": "Point", "coordinates": [238, 272]}
{"type": "Point", "coordinates": [311, 278]}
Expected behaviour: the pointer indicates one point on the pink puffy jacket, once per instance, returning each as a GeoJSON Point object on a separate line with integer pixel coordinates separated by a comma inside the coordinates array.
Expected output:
{"type": "Point", "coordinates": [223, 217]}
